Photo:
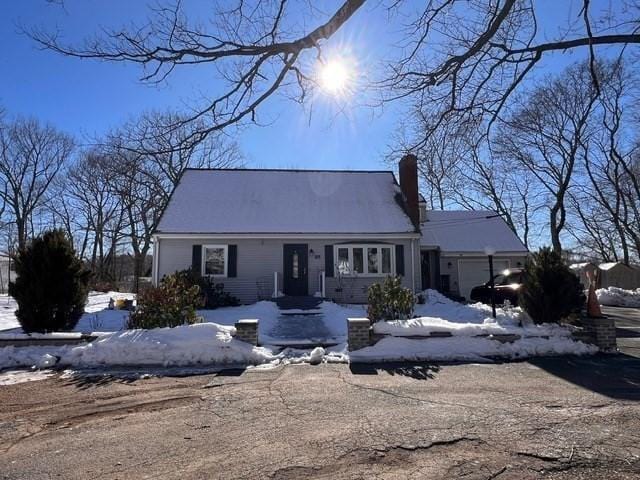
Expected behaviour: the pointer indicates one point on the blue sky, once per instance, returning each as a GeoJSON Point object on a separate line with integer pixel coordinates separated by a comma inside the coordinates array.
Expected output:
{"type": "Point", "coordinates": [87, 97]}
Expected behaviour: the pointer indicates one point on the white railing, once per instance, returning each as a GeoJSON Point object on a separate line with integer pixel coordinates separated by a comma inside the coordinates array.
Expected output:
{"type": "Point", "coordinates": [277, 288]}
{"type": "Point", "coordinates": [275, 284]}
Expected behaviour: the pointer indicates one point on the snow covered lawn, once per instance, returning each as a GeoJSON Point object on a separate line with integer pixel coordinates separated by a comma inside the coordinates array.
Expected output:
{"type": "Point", "coordinates": [472, 349]}
{"type": "Point", "coordinates": [440, 314]}
{"type": "Point", "coordinates": [98, 318]}
{"type": "Point", "coordinates": [211, 343]}
{"type": "Point", "coordinates": [189, 345]}
{"type": "Point", "coordinates": [207, 343]}
{"type": "Point", "coordinates": [618, 297]}
{"type": "Point", "coordinates": [465, 323]}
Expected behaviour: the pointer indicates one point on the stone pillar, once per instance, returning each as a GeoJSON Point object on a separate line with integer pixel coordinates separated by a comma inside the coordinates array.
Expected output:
{"type": "Point", "coordinates": [247, 331]}
{"type": "Point", "coordinates": [602, 331]}
{"type": "Point", "coordinates": [358, 333]}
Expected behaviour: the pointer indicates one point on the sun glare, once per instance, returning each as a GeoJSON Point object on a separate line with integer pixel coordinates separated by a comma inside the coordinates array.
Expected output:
{"type": "Point", "coordinates": [335, 77]}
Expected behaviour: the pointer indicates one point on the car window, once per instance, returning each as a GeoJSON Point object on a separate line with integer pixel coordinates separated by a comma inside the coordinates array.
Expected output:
{"type": "Point", "coordinates": [508, 279]}
{"type": "Point", "coordinates": [499, 279]}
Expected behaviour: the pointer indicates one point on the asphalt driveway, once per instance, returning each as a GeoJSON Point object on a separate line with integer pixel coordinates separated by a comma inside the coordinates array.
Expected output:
{"type": "Point", "coordinates": [562, 418]}
{"type": "Point", "coordinates": [627, 328]}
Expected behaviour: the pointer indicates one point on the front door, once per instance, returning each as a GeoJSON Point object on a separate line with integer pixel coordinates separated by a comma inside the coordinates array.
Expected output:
{"type": "Point", "coordinates": [295, 273]}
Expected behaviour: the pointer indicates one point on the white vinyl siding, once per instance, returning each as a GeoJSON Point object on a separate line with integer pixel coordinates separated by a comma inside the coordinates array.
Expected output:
{"type": "Point", "coordinates": [258, 259]}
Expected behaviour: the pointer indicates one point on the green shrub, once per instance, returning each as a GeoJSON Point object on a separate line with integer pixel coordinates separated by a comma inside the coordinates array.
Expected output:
{"type": "Point", "coordinates": [213, 293]}
{"type": "Point", "coordinates": [551, 292]}
{"type": "Point", "coordinates": [216, 297]}
{"type": "Point", "coordinates": [51, 286]}
{"type": "Point", "coordinates": [389, 300]}
{"type": "Point", "coordinates": [170, 304]}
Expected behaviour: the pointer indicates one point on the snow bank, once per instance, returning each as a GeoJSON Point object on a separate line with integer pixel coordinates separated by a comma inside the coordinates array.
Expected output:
{"type": "Point", "coordinates": [20, 376]}
{"type": "Point", "coordinates": [423, 326]}
{"type": "Point", "coordinates": [465, 323]}
{"type": "Point", "coordinates": [618, 297]}
{"type": "Point", "coordinates": [97, 317]}
{"type": "Point", "coordinates": [440, 314]}
{"type": "Point", "coordinates": [189, 345]}
{"type": "Point", "coordinates": [472, 349]}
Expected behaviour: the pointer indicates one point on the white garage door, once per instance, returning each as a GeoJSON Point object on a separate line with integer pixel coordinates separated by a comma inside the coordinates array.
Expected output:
{"type": "Point", "coordinates": [472, 273]}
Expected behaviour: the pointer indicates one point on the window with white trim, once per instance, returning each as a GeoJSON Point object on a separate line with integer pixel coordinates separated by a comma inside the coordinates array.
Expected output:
{"type": "Point", "coordinates": [365, 260]}
{"type": "Point", "coordinates": [215, 260]}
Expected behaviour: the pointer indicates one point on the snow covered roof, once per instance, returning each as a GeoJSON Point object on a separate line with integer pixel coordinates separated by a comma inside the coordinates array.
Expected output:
{"type": "Point", "coordinates": [466, 231]}
{"type": "Point", "coordinates": [610, 265]}
{"type": "Point", "coordinates": [285, 201]}
{"type": "Point", "coordinates": [580, 266]}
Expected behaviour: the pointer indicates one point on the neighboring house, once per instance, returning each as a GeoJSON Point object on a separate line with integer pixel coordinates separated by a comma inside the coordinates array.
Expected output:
{"type": "Point", "coordinates": [583, 271]}
{"type": "Point", "coordinates": [617, 274]}
{"type": "Point", "coordinates": [7, 273]}
{"type": "Point", "coordinates": [609, 274]}
{"type": "Point", "coordinates": [264, 233]}
{"type": "Point", "coordinates": [453, 244]}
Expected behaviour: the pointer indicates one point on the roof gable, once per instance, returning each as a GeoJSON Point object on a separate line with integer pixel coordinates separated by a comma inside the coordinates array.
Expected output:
{"type": "Point", "coordinates": [285, 201]}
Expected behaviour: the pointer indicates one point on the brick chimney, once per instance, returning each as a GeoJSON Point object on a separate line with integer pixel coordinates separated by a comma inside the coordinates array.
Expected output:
{"type": "Point", "coordinates": [408, 170]}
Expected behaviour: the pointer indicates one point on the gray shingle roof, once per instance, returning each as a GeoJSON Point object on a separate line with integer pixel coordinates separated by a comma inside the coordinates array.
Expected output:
{"type": "Point", "coordinates": [469, 232]}
{"type": "Point", "coordinates": [285, 201]}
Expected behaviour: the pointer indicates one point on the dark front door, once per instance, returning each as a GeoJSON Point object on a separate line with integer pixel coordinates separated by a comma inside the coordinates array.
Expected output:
{"type": "Point", "coordinates": [295, 269]}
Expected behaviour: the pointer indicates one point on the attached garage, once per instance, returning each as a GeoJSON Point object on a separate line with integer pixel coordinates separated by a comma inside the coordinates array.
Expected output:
{"type": "Point", "coordinates": [472, 273]}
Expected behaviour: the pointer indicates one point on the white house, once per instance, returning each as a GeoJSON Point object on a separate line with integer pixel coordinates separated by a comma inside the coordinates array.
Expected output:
{"type": "Point", "coordinates": [6, 272]}
{"type": "Point", "coordinates": [323, 232]}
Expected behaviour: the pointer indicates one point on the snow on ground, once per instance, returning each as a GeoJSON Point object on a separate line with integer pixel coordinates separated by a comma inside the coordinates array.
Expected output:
{"type": "Point", "coordinates": [211, 343]}
{"type": "Point", "coordinates": [472, 349]}
{"type": "Point", "coordinates": [11, 377]}
{"type": "Point", "coordinates": [97, 317]}
{"type": "Point", "coordinates": [188, 345]}
{"type": "Point", "coordinates": [464, 323]}
{"type": "Point", "coordinates": [618, 297]}
{"type": "Point", "coordinates": [440, 314]}
{"type": "Point", "coordinates": [271, 323]}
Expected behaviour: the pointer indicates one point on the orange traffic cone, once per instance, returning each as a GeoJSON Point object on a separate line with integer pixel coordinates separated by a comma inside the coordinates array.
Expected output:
{"type": "Point", "coordinates": [593, 307]}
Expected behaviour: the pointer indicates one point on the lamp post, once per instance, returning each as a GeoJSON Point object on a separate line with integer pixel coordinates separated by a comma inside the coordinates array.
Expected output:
{"type": "Point", "coordinates": [490, 251]}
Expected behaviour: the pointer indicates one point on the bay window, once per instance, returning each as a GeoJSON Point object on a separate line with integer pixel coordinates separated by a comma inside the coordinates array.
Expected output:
{"type": "Point", "coordinates": [344, 267]}
{"type": "Point", "coordinates": [358, 260]}
{"type": "Point", "coordinates": [365, 260]}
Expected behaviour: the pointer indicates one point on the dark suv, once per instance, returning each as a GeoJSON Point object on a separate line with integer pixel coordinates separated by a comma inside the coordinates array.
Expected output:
{"type": "Point", "coordinates": [507, 285]}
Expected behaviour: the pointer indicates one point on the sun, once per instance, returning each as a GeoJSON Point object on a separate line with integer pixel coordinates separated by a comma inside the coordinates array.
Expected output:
{"type": "Point", "coordinates": [335, 77]}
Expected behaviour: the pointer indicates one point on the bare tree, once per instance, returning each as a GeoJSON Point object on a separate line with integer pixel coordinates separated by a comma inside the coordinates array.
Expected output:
{"type": "Point", "coordinates": [546, 134]}
{"type": "Point", "coordinates": [170, 151]}
{"type": "Point", "coordinates": [257, 49]}
{"type": "Point", "coordinates": [489, 183]}
{"type": "Point", "coordinates": [32, 154]}
{"type": "Point", "coordinates": [604, 199]}
{"type": "Point", "coordinates": [144, 164]}
{"type": "Point", "coordinates": [89, 207]}
{"type": "Point", "coordinates": [466, 58]}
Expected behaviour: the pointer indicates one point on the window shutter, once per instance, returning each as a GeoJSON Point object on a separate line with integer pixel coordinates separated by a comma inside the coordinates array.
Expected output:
{"type": "Point", "coordinates": [232, 266]}
{"type": "Point", "coordinates": [399, 259]}
{"type": "Point", "coordinates": [196, 259]}
{"type": "Point", "coordinates": [328, 260]}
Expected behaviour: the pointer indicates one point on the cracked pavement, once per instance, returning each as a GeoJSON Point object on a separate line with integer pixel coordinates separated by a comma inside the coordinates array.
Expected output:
{"type": "Point", "coordinates": [560, 418]}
